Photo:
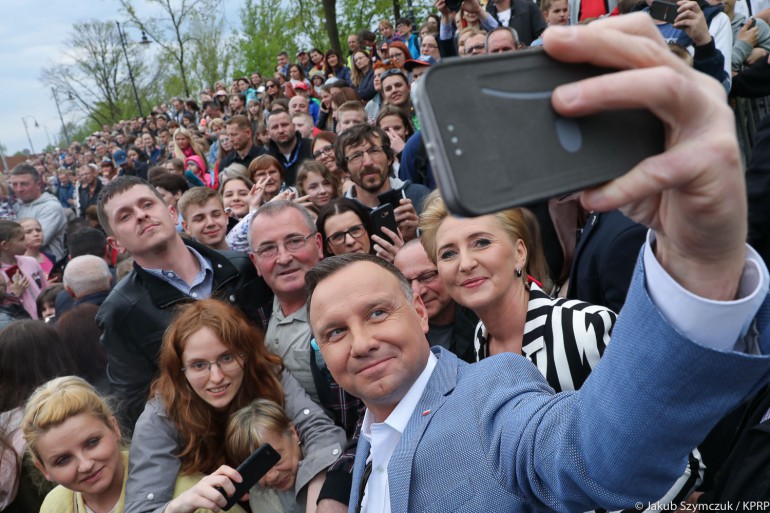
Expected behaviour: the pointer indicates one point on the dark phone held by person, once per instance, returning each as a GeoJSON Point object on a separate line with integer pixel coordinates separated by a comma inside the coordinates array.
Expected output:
{"type": "Point", "coordinates": [664, 11]}
{"type": "Point", "coordinates": [252, 470]}
{"type": "Point", "coordinates": [507, 146]}
{"type": "Point", "coordinates": [384, 217]}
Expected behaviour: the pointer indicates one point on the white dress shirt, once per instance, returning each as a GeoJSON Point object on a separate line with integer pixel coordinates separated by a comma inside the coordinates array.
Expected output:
{"type": "Point", "coordinates": [384, 438]}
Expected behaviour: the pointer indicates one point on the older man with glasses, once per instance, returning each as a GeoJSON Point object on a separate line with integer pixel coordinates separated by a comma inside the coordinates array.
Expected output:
{"type": "Point", "coordinates": [284, 245]}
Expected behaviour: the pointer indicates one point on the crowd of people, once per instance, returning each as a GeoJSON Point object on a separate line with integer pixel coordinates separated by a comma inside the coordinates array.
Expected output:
{"type": "Point", "coordinates": [179, 289]}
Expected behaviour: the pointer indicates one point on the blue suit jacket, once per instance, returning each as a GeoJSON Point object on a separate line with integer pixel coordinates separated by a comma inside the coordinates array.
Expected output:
{"type": "Point", "coordinates": [497, 438]}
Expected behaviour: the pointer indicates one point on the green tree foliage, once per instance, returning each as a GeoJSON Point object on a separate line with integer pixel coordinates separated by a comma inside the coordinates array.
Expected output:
{"type": "Point", "coordinates": [264, 34]}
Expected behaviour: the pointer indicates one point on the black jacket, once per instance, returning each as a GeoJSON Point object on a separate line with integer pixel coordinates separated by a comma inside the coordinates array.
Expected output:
{"type": "Point", "coordinates": [745, 475]}
{"type": "Point", "coordinates": [85, 200]}
{"type": "Point", "coordinates": [526, 19]}
{"type": "Point", "coordinates": [302, 152]}
{"type": "Point", "coordinates": [140, 308]}
{"type": "Point", "coordinates": [605, 259]}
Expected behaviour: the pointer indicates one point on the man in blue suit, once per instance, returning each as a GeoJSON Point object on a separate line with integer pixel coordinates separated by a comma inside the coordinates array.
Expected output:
{"type": "Point", "coordinates": [441, 435]}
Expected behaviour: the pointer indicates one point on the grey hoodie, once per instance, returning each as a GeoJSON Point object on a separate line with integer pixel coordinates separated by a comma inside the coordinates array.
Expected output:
{"type": "Point", "coordinates": [741, 50]}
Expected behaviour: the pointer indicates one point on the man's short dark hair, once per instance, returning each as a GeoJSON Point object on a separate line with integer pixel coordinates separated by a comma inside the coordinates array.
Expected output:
{"type": "Point", "coordinates": [404, 21]}
{"type": "Point", "coordinates": [367, 35]}
{"type": "Point", "coordinates": [177, 163]}
{"type": "Point", "coordinates": [240, 121]}
{"type": "Point", "coordinates": [26, 169]}
{"type": "Point", "coordinates": [208, 104]}
{"type": "Point", "coordinates": [118, 186]}
{"type": "Point", "coordinates": [283, 53]}
{"type": "Point", "coordinates": [172, 182]}
{"type": "Point", "coordinates": [331, 265]}
{"type": "Point", "coordinates": [279, 105]}
{"type": "Point", "coordinates": [358, 134]}
{"type": "Point", "coordinates": [87, 241]}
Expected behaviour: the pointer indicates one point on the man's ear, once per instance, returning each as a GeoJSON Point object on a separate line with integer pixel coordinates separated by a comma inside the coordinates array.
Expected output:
{"type": "Point", "coordinates": [114, 244]}
{"type": "Point", "coordinates": [253, 258]}
{"type": "Point", "coordinates": [422, 313]}
{"type": "Point", "coordinates": [185, 228]}
{"type": "Point", "coordinates": [319, 242]}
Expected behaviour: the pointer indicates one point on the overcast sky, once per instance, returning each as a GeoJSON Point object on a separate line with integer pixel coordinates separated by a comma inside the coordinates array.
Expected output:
{"type": "Point", "coordinates": [32, 34]}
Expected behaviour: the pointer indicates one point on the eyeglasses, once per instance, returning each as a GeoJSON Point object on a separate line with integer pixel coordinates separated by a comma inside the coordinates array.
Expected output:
{"type": "Point", "coordinates": [357, 157]}
{"type": "Point", "coordinates": [227, 362]}
{"type": "Point", "coordinates": [392, 72]}
{"type": "Point", "coordinates": [292, 244]}
{"type": "Point", "coordinates": [428, 45]}
{"type": "Point", "coordinates": [397, 57]}
{"type": "Point", "coordinates": [479, 48]}
{"type": "Point", "coordinates": [425, 278]}
{"type": "Point", "coordinates": [326, 150]}
{"type": "Point", "coordinates": [270, 86]}
{"type": "Point", "coordinates": [338, 238]}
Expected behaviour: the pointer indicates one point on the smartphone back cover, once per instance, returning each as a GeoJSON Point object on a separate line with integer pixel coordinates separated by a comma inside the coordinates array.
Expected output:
{"type": "Point", "coordinates": [495, 142]}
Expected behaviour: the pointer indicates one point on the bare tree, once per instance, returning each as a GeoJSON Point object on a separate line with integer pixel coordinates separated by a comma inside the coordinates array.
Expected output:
{"type": "Point", "coordinates": [171, 30]}
{"type": "Point", "coordinates": [93, 73]}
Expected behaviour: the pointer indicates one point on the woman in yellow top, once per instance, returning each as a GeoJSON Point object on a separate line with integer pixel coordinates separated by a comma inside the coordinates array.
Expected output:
{"type": "Point", "coordinates": [74, 440]}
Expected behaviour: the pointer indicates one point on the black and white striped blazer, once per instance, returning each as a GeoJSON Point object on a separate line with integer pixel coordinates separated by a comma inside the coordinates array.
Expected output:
{"type": "Point", "coordinates": [565, 338]}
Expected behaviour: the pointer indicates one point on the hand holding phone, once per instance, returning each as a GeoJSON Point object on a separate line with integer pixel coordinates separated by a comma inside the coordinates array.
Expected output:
{"type": "Point", "coordinates": [749, 33]}
{"type": "Point", "coordinates": [251, 471]}
{"type": "Point", "coordinates": [551, 155]}
{"type": "Point", "coordinates": [383, 217]}
{"type": "Point", "coordinates": [407, 219]}
{"type": "Point", "coordinates": [662, 10]}
{"type": "Point", "coordinates": [208, 493]}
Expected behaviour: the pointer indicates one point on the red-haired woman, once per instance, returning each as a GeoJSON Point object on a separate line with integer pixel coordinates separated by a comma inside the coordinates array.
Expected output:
{"type": "Point", "coordinates": [213, 362]}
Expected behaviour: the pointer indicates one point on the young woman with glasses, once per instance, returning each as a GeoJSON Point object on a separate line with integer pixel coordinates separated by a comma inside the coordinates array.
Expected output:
{"type": "Point", "coordinates": [213, 362]}
{"type": "Point", "coordinates": [346, 227]}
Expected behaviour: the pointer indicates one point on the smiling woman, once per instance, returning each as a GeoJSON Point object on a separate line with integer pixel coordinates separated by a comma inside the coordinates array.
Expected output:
{"type": "Point", "coordinates": [212, 362]}
{"type": "Point", "coordinates": [74, 440]}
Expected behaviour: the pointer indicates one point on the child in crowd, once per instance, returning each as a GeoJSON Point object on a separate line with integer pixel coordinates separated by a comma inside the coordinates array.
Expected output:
{"type": "Point", "coordinates": [555, 12]}
{"type": "Point", "coordinates": [33, 240]}
{"type": "Point", "coordinates": [284, 488]}
{"type": "Point", "coordinates": [23, 273]}
{"type": "Point", "coordinates": [46, 303]}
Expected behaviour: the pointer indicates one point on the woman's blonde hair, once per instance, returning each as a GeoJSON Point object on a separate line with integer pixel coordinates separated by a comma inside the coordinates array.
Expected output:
{"type": "Point", "coordinates": [246, 427]}
{"type": "Point", "coordinates": [518, 223]}
{"type": "Point", "coordinates": [193, 144]}
{"type": "Point", "coordinates": [58, 400]}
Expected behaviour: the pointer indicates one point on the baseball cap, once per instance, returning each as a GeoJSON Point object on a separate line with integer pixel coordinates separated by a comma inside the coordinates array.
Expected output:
{"type": "Point", "coordinates": [120, 157]}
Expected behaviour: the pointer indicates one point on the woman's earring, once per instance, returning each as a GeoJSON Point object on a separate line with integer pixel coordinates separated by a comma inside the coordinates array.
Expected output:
{"type": "Point", "coordinates": [518, 272]}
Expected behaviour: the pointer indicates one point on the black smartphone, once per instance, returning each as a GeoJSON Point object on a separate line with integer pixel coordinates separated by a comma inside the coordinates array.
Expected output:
{"type": "Point", "coordinates": [383, 217]}
{"type": "Point", "coordinates": [252, 470]}
{"type": "Point", "coordinates": [751, 23]}
{"type": "Point", "coordinates": [392, 196]}
{"type": "Point", "coordinates": [507, 146]}
{"type": "Point", "coordinates": [664, 11]}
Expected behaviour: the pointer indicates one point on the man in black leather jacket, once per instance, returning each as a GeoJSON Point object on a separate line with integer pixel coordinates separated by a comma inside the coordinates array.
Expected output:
{"type": "Point", "coordinates": [168, 272]}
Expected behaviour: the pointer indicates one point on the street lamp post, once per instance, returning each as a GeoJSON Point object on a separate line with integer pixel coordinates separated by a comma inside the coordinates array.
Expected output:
{"type": "Point", "coordinates": [63, 125]}
{"type": "Point", "coordinates": [128, 64]}
{"type": "Point", "coordinates": [29, 139]}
